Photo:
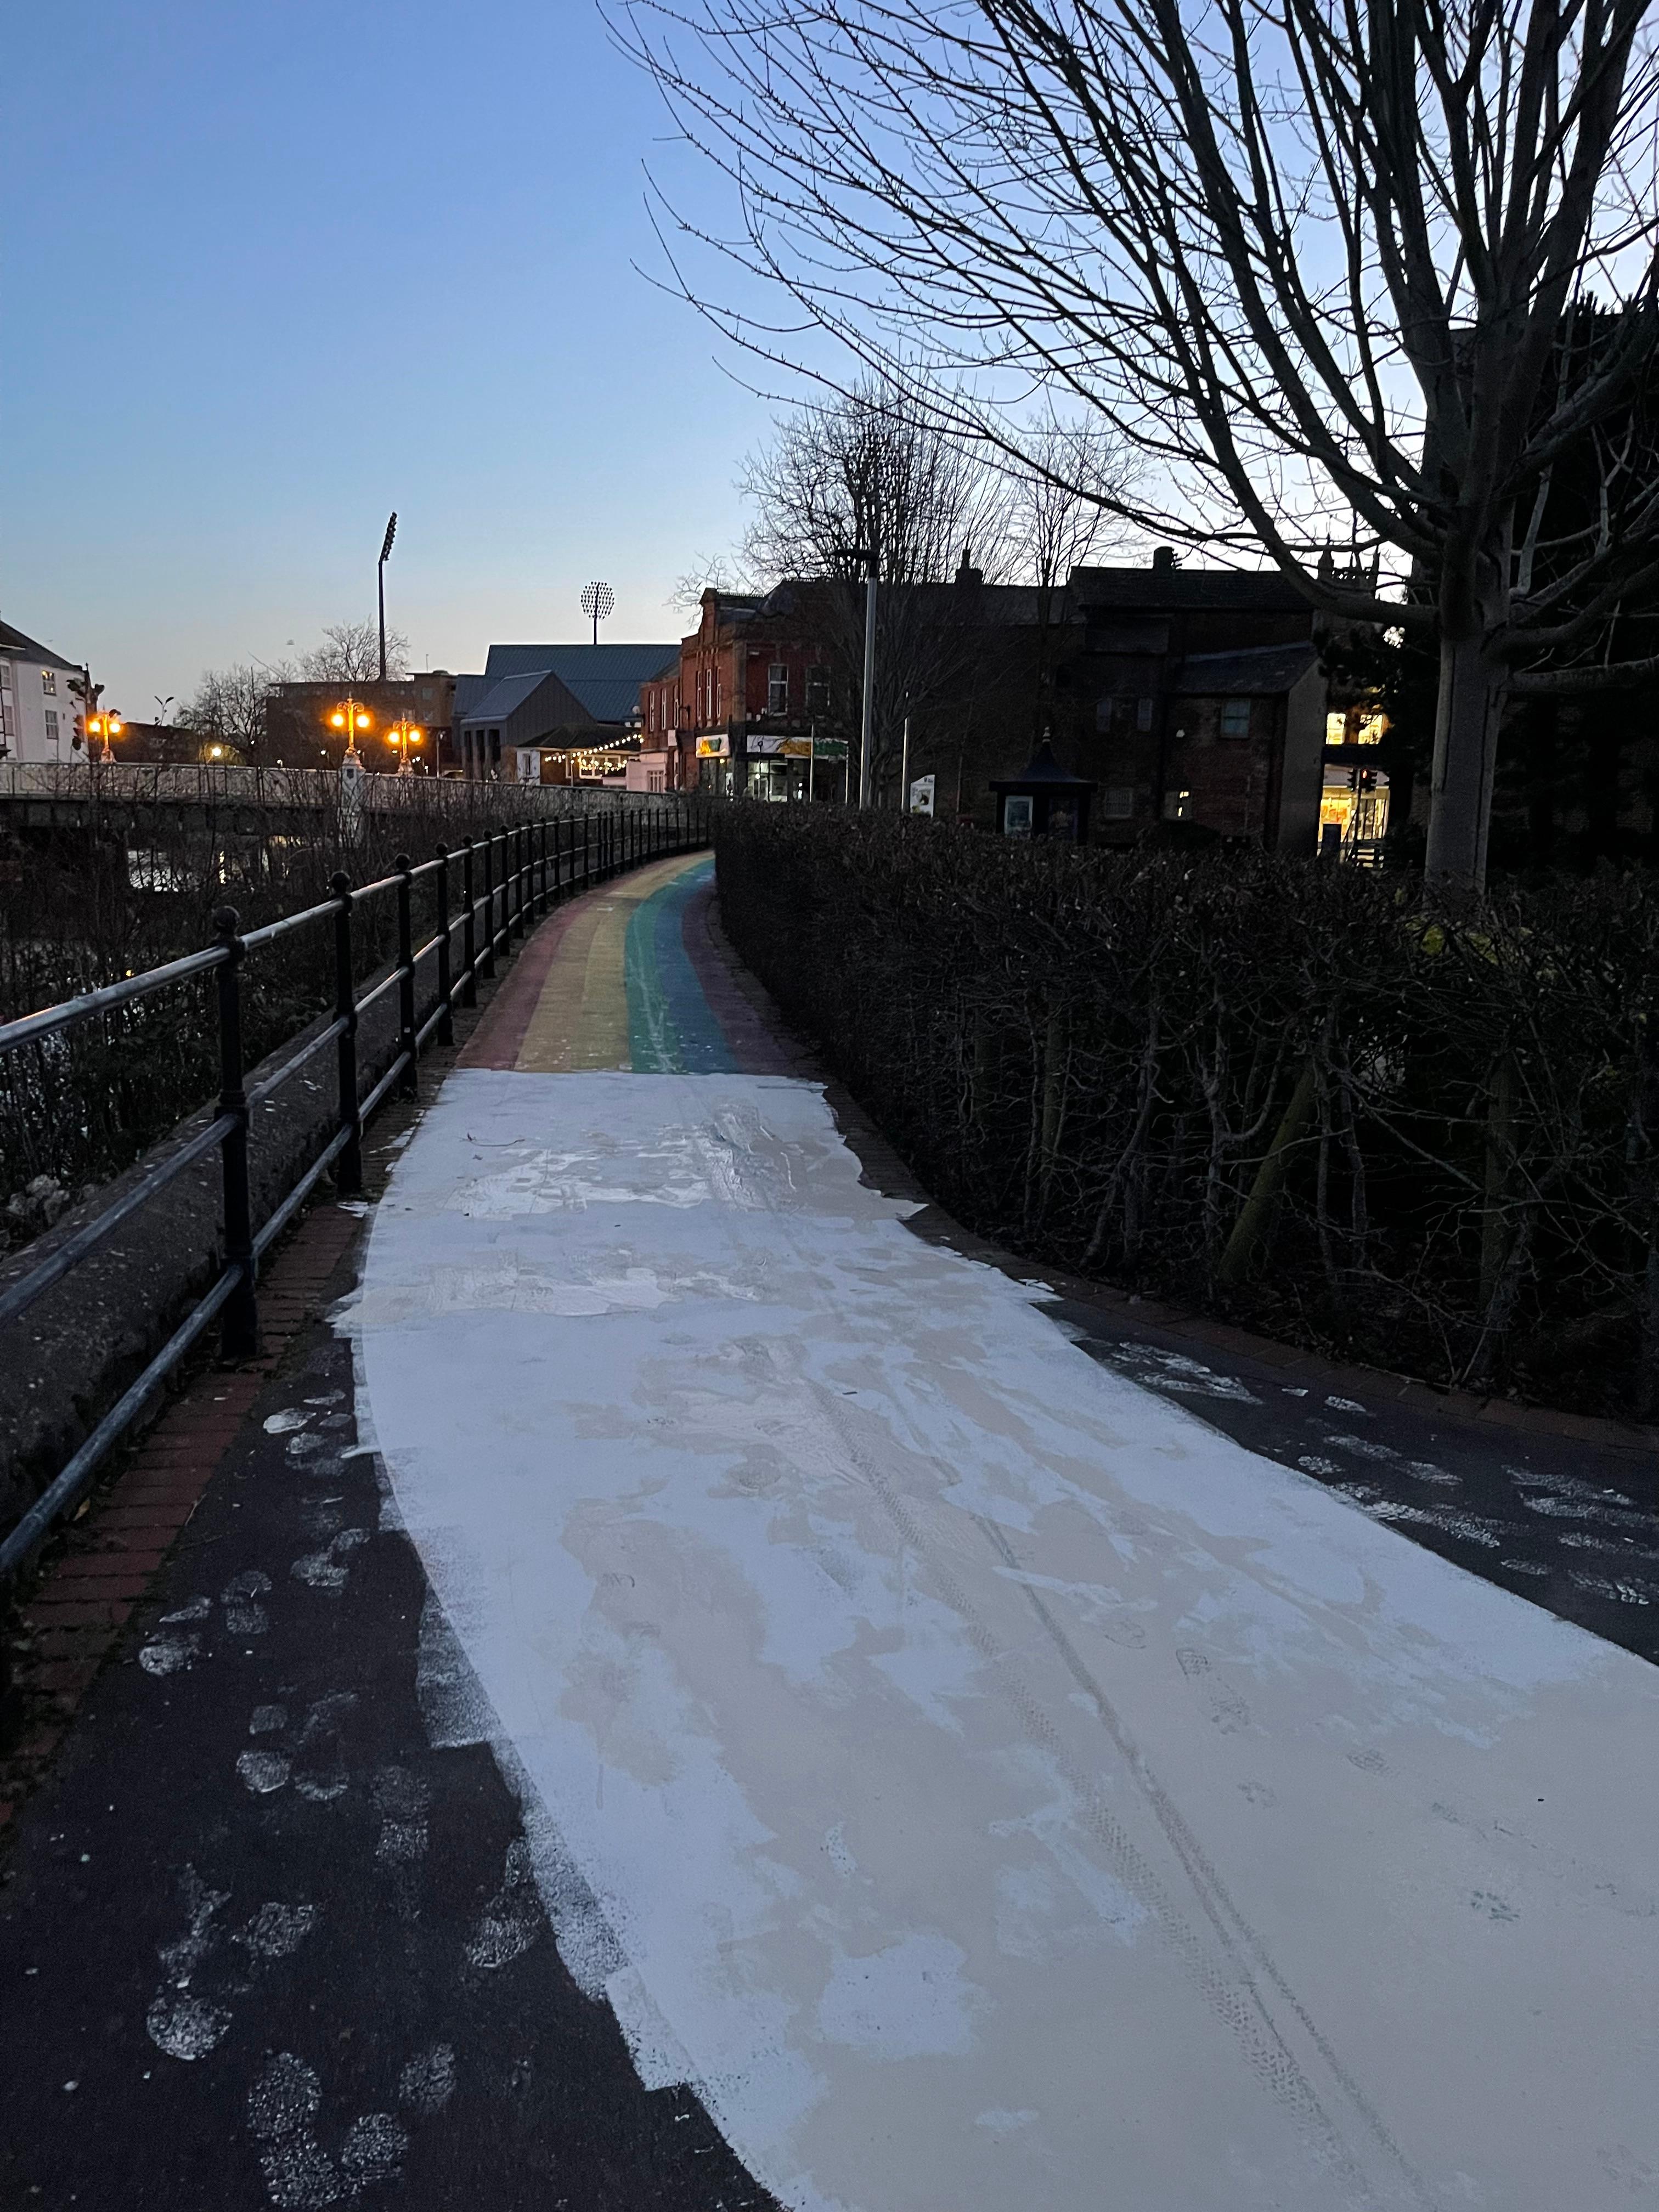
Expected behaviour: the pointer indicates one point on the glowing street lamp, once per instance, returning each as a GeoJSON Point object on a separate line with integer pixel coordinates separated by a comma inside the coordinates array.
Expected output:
{"type": "Point", "coordinates": [104, 726]}
{"type": "Point", "coordinates": [351, 717]}
{"type": "Point", "coordinates": [403, 735]}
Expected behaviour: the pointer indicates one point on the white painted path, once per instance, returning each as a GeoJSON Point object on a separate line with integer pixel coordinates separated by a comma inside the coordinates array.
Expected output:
{"type": "Point", "coordinates": [997, 1789]}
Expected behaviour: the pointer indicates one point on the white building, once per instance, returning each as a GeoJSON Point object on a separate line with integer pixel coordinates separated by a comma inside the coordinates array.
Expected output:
{"type": "Point", "coordinates": [42, 705]}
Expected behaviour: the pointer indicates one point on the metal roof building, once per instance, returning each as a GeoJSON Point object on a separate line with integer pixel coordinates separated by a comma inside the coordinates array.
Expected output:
{"type": "Point", "coordinates": [604, 679]}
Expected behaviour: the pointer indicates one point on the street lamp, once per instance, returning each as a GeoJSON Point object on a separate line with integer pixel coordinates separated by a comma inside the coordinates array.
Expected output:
{"type": "Point", "coordinates": [351, 717]}
{"type": "Point", "coordinates": [403, 735]}
{"type": "Point", "coordinates": [104, 726]}
{"type": "Point", "coordinates": [867, 557]}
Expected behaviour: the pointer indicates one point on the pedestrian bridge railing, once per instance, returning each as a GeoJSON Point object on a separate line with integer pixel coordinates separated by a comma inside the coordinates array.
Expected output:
{"type": "Point", "coordinates": [485, 893]}
{"type": "Point", "coordinates": [219, 783]}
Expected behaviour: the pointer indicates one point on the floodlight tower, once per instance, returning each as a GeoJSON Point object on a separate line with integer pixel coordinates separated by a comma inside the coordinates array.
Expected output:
{"type": "Point", "coordinates": [598, 601]}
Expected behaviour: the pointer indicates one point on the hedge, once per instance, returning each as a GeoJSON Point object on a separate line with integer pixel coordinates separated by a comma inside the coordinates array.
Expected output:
{"type": "Point", "coordinates": [1278, 1090]}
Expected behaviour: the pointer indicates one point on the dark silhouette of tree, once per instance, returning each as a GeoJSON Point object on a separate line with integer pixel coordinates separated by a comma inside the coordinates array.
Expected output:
{"type": "Point", "coordinates": [1312, 259]}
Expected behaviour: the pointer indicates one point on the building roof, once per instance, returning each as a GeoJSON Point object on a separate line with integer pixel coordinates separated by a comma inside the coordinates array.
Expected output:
{"type": "Point", "coordinates": [13, 641]}
{"type": "Point", "coordinates": [1146, 591]}
{"type": "Point", "coordinates": [468, 689]}
{"type": "Point", "coordinates": [504, 698]}
{"type": "Point", "coordinates": [1254, 672]}
{"type": "Point", "coordinates": [604, 679]}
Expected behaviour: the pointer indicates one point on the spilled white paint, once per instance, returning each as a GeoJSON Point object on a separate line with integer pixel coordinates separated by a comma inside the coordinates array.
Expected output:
{"type": "Point", "coordinates": [990, 1785]}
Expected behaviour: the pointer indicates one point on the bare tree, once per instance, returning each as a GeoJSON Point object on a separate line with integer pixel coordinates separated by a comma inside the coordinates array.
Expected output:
{"type": "Point", "coordinates": [350, 653]}
{"type": "Point", "coordinates": [1319, 261]}
{"type": "Point", "coordinates": [228, 710]}
{"type": "Point", "coordinates": [871, 474]}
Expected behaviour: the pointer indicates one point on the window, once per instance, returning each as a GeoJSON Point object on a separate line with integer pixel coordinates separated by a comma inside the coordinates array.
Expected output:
{"type": "Point", "coordinates": [49, 682]}
{"type": "Point", "coordinates": [1118, 803]}
{"type": "Point", "coordinates": [1177, 806]}
{"type": "Point", "coordinates": [818, 689]}
{"type": "Point", "coordinates": [1236, 718]}
{"type": "Point", "coordinates": [1143, 713]}
{"type": "Point", "coordinates": [777, 688]}
{"type": "Point", "coordinates": [51, 726]}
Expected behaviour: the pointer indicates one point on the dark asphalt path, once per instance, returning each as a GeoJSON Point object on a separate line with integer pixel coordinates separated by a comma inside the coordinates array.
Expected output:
{"type": "Point", "coordinates": [271, 1936]}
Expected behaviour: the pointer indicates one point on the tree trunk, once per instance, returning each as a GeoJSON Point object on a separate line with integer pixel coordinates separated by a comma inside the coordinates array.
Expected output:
{"type": "Point", "coordinates": [1465, 756]}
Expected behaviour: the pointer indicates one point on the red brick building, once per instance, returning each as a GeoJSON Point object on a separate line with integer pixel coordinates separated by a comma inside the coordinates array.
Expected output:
{"type": "Point", "coordinates": [741, 710]}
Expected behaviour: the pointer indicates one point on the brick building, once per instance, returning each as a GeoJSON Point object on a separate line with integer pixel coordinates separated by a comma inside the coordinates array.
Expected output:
{"type": "Point", "coordinates": [750, 700]}
{"type": "Point", "coordinates": [1196, 696]}
{"type": "Point", "coordinates": [1189, 695]}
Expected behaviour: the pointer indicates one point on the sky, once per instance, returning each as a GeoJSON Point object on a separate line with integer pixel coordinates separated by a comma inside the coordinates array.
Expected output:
{"type": "Point", "coordinates": [271, 271]}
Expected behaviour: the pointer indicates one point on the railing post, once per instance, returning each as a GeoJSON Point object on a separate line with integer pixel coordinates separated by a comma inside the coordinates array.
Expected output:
{"type": "Point", "coordinates": [410, 1084]}
{"type": "Point", "coordinates": [542, 829]}
{"type": "Point", "coordinates": [519, 871]}
{"type": "Point", "coordinates": [446, 1030]}
{"type": "Point", "coordinates": [469, 931]}
{"type": "Point", "coordinates": [487, 963]}
{"type": "Point", "coordinates": [240, 1330]}
{"type": "Point", "coordinates": [349, 1165]}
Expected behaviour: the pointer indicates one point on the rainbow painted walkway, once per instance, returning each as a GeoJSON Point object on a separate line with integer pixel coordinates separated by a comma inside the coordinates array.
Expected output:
{"type": "Point", "coordinates": [629, 977]}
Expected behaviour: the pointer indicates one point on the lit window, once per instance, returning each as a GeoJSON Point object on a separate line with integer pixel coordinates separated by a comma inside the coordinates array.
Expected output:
{"type": "Point", "coordinates": [1236, 718]}
{"type": "Point", "coordinates": [1372, 729]}
{"type": "Point", "coordinates": [1336, 729]}
{"type": "Point", "coordinates": [49, 682]}
{"type": "Point", "coordinates": [777, 688]}
{"type": "Point", "coordinates": [1177, 806]}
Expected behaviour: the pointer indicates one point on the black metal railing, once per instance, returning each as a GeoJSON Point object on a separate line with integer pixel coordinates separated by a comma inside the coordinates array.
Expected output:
{"type": "Point", "coordinates": [539, 864]}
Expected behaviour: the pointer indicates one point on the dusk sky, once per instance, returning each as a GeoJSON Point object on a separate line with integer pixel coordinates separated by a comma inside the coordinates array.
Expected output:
{"type": "Point", "coordinates": [271, 271]}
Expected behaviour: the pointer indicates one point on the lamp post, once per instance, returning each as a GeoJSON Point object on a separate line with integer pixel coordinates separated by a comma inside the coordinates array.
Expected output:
{"type": "Point", "coordinates": [405, 734]}
{"type": "Point", "coordinates": [104, 726]}
{"type": "Point", "coordinates": [351, 717]}
{"type": "Point", "coordinates": [867, 558]}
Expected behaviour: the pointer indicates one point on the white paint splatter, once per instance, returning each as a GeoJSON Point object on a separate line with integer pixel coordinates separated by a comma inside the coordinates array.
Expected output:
{"type": "Point", "coordinates": [426, 2083]}
{"type": "Point", "coordinates": [277, 1930]}
{"type": "Point", "coordinates": [262, 1771]}
{"type": "Point", "coordinates": [374, 2148]}
{"type": "Point", "coordinates": [512, 1920]}
{"type": "Point", "coordinates": [169, 1654]}
{"type": "Point", "coordinates": [284, 1424]}
{"type": "Point", "coordinates": [267, 1720]}
{"type": "Point", "coordinates": [300, 2176]}
{"type": "Point", "coordinates": [197, 1609]}
{"type": "Point", "coordinates": [330, 1570]}
{"type": "Point", "coordinates": [1186, 1377]}
{"type": "Point", "coordinates": [185, 2026]}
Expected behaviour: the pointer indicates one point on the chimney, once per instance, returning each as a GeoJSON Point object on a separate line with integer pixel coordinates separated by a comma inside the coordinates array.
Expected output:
{"type": "Point", "coordinates": [1164, 560]}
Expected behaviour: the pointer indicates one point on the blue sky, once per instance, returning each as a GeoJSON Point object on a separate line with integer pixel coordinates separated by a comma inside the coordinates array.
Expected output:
{"type": "Point", "coordinates": [273, 269]}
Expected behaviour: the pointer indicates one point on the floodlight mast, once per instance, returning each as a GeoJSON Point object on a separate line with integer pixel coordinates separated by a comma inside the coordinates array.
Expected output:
{"type": "Point", "coordinates": [385, 555]}
{"type": "Point", "coordinates": [598, 601]}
